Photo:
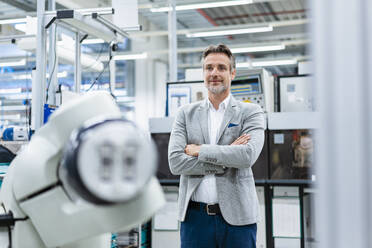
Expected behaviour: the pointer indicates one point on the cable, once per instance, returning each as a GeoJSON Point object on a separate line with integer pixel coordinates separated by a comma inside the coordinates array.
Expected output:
{"type": "Point", "coordinates": [54, 65]}
{"type": "Point", "coordinates": [10, 237]}
{"type": "Point", "coordinates": [97, 58]}
{"type": "Point", "coordinates": [112, 47]}
{"type": "Point", "coordinates": [28, 101]}
{"type": "Point", "coordinates": [98, 77]}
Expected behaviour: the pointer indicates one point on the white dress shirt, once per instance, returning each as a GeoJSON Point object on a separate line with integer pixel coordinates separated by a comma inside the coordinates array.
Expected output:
{"type": "Point", "coordinates": [207, 189]}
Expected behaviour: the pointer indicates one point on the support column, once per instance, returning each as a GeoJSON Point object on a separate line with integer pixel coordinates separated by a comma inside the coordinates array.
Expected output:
{"type": "Point", "coordinates": [53, 58]}
{"type": "Point", "coordinates": [112, 66]}
{"type": "Point", "coordinates": [77, 63]}
{"type": "Point", "coordinates": [38, 92]}
{"type": "Point", "coordinates": [342, 48]}
{"type": "Point", "coordinates": [172, 41]}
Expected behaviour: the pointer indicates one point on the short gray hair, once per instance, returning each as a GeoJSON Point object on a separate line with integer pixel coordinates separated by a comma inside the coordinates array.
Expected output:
{"type": "Point", "coordinates": [220, 48]}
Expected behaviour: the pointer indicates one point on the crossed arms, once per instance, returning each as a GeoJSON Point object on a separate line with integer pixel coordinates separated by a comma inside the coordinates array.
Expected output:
{"type": "Point", "coordinates": [194, 159]}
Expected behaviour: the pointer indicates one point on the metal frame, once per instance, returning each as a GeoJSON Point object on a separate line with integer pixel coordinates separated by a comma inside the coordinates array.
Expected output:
{"type": "Point", "coordinates": [84, 22]}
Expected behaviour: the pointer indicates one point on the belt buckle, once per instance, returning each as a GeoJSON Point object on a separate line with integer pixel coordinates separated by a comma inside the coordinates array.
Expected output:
{"type": "Point", "coordinates": [209, 213]}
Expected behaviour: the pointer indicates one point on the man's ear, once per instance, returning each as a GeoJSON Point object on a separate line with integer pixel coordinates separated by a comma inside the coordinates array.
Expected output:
{"type": "Point", "coordinates": [233, 73]}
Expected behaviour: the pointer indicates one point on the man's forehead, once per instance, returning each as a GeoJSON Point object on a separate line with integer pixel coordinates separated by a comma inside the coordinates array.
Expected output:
{"type": "Point", "coordinates": [217, 59]}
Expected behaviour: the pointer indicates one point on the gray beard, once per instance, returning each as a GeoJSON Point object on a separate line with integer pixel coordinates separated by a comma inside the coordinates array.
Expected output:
{"type": "Point", "coordinates": [217, 89]}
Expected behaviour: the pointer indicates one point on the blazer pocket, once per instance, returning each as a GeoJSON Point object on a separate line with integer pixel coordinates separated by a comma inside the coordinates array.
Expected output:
{"type": "Point", "coordinates": [233, 131]}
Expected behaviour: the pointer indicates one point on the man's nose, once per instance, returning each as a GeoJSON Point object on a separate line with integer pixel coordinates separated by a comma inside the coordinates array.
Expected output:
{"type": "Point", "coordinates": [214, 71]}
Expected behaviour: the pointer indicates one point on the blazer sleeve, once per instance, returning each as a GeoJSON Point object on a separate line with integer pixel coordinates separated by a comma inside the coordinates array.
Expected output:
{"type": "Point", "coordinates": [239, 156]}
{"type": "Point", "coordinates": [181, 163]}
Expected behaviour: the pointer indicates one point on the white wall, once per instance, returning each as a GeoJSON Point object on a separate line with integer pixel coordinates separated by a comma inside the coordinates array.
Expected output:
{"type": "Point", "coordinates": [150, 78]}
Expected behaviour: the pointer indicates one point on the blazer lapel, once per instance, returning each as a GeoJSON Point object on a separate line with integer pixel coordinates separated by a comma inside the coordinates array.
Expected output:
{"type": "Point", "coordinates": [203, 120]}
{"type": "Point", "coordinates": [229, 114]}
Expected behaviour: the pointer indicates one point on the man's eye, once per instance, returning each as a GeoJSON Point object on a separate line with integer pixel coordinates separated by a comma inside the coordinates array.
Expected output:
{"type": "Point", "coordinates": [222, 68]}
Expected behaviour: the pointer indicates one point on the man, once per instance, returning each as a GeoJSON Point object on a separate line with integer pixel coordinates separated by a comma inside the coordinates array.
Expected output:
{"type": "Point", "coordinates": [212, 146]}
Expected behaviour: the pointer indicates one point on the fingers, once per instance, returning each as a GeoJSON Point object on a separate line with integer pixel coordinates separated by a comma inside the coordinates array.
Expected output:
{"type": "Point", "coordinates": [242, 140]}
{"type": "Point", "coordinates": [187, 149]}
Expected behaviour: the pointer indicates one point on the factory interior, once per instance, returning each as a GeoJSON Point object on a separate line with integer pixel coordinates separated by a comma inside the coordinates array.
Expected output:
{"type": "Point", "coordinates": [85, 85]}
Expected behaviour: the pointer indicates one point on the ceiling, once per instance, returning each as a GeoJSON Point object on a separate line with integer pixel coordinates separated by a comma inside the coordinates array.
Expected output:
{"type": "Point", "coordinates": [288, 18]}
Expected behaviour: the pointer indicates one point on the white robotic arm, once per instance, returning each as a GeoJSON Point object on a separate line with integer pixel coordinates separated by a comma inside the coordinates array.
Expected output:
{"type": "Point", "coordinates": [85, 173]}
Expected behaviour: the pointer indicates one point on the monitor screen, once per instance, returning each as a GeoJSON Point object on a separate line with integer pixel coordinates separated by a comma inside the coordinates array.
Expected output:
{"type": "Point", "coordinates": [161, 140]}
{"type": "Point", "coordinates": [182, 93]}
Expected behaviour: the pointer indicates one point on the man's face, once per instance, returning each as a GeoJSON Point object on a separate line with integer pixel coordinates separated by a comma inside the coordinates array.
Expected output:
{"type": "Point", "coordinates": [217, 73]}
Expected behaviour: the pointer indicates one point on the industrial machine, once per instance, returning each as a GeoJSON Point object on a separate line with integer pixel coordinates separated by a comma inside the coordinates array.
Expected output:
{"type": "Point", "coordinates": [15, 133]}
{"type": "Point", "coordinates": [295, 93]}
{"type": "Point", "coordinates": [82, 176]}
{"type": "Point", "coordinates": [256, 86]}
{"type": "Point", "coordinates": [292, 154]}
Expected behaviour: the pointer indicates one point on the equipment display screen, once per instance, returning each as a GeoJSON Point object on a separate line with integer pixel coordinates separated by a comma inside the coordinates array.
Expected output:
{"type": "Point", "coordinates": [244, 86]}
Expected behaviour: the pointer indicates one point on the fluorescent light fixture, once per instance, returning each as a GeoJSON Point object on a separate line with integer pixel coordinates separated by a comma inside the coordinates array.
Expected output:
{"type": "Point", "coordinates": [23, 95]}
{"type": "Point", "coordinates": [231, 32]}
{"type": "Point", "coordinates": [243, 64]}
{"type": "Point", "coordinates": [13, 108]}
{"type": "Point", "coordinates": [13, 21]}
{"type": "Point", "coordinates": [203, 5]}
{"type": "Point", "coordinates": [11, 91]}
{"type": "Point", "coordinates": [258, 49]}
{"type": "Point", "coordinates": [21, 27]}
{"type": "Point", "coordinates": [93, 41]}
{"type": "Point", "coordinates": [274, 62]}
{"type": "Point", "coordinates": [267, 63]}
{"type": "Point", "coordinates": [131, 56]}
{"type": "Point", "coordinates": [62, 74]}
{"type": "Point", "coordinates": [10, 117]}
{"type": "Point", "coordinates": [21, 62]}
{"type": "Point", "coordinates": [22, 77]}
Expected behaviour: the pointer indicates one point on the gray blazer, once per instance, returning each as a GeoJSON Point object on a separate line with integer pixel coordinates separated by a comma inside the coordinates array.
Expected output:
{"type": "Point", "coordinates": [231, 164]}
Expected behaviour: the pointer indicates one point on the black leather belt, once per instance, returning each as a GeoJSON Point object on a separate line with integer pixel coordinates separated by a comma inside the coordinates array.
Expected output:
{"type": "Point", "coordinates": [211, 209]}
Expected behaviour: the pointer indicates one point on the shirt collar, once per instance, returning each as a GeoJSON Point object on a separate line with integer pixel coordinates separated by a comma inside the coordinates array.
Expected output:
{"type": "Point", "coordinates": [222, 105]}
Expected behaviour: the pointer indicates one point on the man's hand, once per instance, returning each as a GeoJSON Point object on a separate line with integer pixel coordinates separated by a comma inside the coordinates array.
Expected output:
{"type": "Point", "coordinates": [192, 150]}
{"type": "Point", "coordinates": [242, 140]}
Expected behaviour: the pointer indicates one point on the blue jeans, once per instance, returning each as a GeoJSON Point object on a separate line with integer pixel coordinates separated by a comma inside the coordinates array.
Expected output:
{"type": "Point", "coordinates": [200, 230]}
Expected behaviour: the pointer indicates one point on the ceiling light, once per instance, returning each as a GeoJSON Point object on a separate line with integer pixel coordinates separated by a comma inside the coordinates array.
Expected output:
{"type": "Point", "coordinates": [13, 21]}
{"type": "Point", "coordinates": [265, 63]}
{"type": "Point", "coordinates": [21, 27]}
{"type": "Point", "coordinates": [258, 49]}
{"type": "Point", "coordinates": [62, 74]}
{"type": "Point", "coordinates": [203, 5]}
{"type": "Point", "coordinates": [231, 32]}
{"type": "Point", "coordinates": [274, 62]}
{"type": "Point", "coordinates": [13, 63]}
{"type": "Point", "coordinates": [131, 56]}
{"type": "Point", "coordinates": [93, 41]}
{"type": "Point", "coordinates": [22, 77]}
{"type": "Point", "coordinates": [10, 117]}
{"type": "Point", "coordinates": [10, 91]}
